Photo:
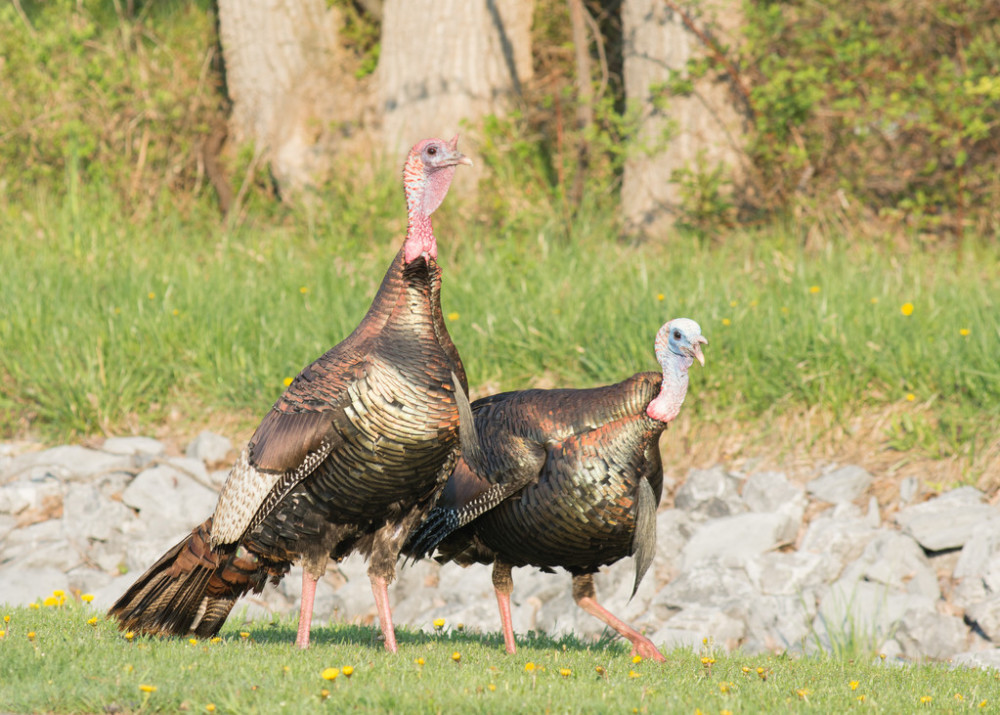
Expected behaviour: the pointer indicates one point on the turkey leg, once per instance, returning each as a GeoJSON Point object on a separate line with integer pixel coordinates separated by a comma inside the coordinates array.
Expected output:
{"type": "Point", "coordinates": [504, 585]}
{"type": "Point", "coordinates": [586, 598]}
{"type": "Point", "coordinates": [380, 588]}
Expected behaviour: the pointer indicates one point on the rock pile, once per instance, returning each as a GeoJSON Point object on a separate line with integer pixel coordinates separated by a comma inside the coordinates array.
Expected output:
{"type": "Point", "coordinates": [737, 560]}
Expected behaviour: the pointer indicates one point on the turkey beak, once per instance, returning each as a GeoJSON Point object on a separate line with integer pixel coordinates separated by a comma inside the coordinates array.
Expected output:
{"type": "Point", "coordinates": [698, 354]}
{"type": "Point", "coordinates": [458, 157]}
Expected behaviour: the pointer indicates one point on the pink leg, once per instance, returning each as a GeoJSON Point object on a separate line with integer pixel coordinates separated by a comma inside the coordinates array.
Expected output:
{"type": "Point", "coordinates": [306, 609]}
{"type": "Point", "coordinates": [504, 585]}
{"type": "Point", "coordinates": [380, 588]}
{"type": "Point", "coordinates": [586, 598]}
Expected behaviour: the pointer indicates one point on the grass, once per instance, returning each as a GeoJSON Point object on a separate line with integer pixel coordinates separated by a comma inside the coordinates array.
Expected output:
{"type": "Point", "coordinates": [71, 665]}
{"type": "Point", "coordinates": [111, 326]}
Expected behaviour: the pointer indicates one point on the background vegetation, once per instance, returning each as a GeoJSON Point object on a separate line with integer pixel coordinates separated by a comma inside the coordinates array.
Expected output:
{"type": "Point", "coordinates": [128, 303]}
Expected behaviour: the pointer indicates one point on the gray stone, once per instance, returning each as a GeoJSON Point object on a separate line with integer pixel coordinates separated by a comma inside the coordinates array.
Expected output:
{"type": "Point", "coordinates": [909, 488]}
{"type": "Point", "coordinates": [614, 591]}
{"type": "Point", "coordinates": [792, 573]}
{"type": "Point", "coordinates": [137, 446]}
{"type": "Point", "coordinates": [896, 560]}
{"type": "Point", "coordinates": [23, 542]}
{"type": "Point", "coordinates": [778, 624]}
{"type": "Point", "coordinates": [25, 494]}
{"type": "Point", "coordinates": [709, 494]}
{"type": "Point", "coordinates": [840, 532]}
{"type": "Point", "coordinates": [710, 584]}
{"type": "Point", "coordinates": [88, 514]}
{"type": "Point", "coordinates": [87, 580]}
{"type": "Point", "coordinates": [140, 554]}
{"type": "Point", "coordinates": [209, 447]}
{"type": "Point", "coordinates": [217, 478]}
{"type": "Point", "coordinates": [948, 522]}
{"type": "Point", "coordinates": [193, 468]}
{"type": "Point", "coordinates": [840, 485]}
{"type": "Point", "coordinates": [735, 539]}
{"type": "Point", "coordinates": [982, 659]}
{"type": "Point", "coordinates": [977, 553]}
{"type": "Point", "coordinates": [673, 529]}
{"type": "Point", "coordinates": [772, 492]}
{"type": "Point", "coordinates": [986, 615]}
{"type": "Point", "coordinates": [19, 587]}
{"type": "Point", "coordinates": [169, 501]}
{"type": "Point", "coordinates": [105, 596]}
{"type": "Point", "coordinates": [696, 625]}
{"type": "Point", "coordinates": [926, 634]}
{"type": "Point", "coordinates": [68, 462]}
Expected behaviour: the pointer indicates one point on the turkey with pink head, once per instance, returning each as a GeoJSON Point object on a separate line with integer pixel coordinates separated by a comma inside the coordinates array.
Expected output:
{"type": "Point", "coordinates": [565, 478]}
{"type": "Point", "coordinates": [348, 458]}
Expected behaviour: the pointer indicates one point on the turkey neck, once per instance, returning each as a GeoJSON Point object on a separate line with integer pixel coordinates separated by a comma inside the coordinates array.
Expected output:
{"type": "Point", "coordinates": [673, 388]}
{"type": "Point", "coordinates": [420, 240]}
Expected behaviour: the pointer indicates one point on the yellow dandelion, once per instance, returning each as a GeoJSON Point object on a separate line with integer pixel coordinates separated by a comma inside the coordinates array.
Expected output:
{"type": "Point", "coordinates": [244, 634]}
{"type": "Point", "coordinates": [35, 606]}
{"type": "Point", "coordinates": [853, 685]}
{"type": "Point", "coordinates": [633, 674]}
{"type": "Point", "coordinates": [874, 301]}
{"type": "Point", "coordinates": [456, 656]}
{"type": "Point", "coordinates": [726, 321]}
{"type": "Point", "coordinates": [324, 693]}
{"type": "Point", "coordinates": [347, 670]}
{"type": "Point", "coordinates": [724, 687]}
{"type": "Point", "coordinates": [3, 633]}
{"type": "Point", "coordinates": [193, 641]}
{"type": "Point", "coordinates": [754, 303]}
{"type": "Point", "coordinates": [175, 312]}
{"type": "Point", "coordinates": [803, 693]}
{"type": "Point", "coordinates": [330, 673]}
{"type": "Point", "coordinates": [565, 672]}
{"type": "Point", "coordinates": [6, 619]}
{"type": "Point", "coordinates": [438, 624]}
{"type": "Point", "coordinates": [725, 712]}
{"type": "Point", "coordinates": [530, 667]}
{"type": "Point", "coordinates": [147, 688]}
{"type": "Point", "coordinates": [600, 670]}
{"type": "Point", "coordinates": [51, 601]}
{"type": "Point", "coordinates": [216, 640]}
{"type": "Point", "coordinates": [460, 626]}
{"type": "Point", "coordinates": [708, 660]}
{"type": "Point", "coordinates": [129, 635]}
{"type": "Point", "coordinates": [636, 658]}
{"type": "Point", "coordinates": [453, 316]}
{"type": "Point", "coordinates": [87, 597]}
{"type": "Point", "coordinates": [910, 397]}
{"type": "Point", "coordinates": [287, 381]}
{"type": "Point", "coordinates": [210, 708]}
{"type": "Point", "coordinates": [814, 289]}
{"type": "Point", "coordinates": [419, 661]}
{"type": "Point", "coordinates": [58, 593]}
{"type": "Point", "coordinates": [959, 697]}
{"type": "Point", "coordinates": [660, 297]}
{"type": "Point", "coordinates": [861, 698]}
{"type": "Point", "coordinates": [882, 655]}
{"type": "Point", "coordinates": [784, 309]}
{"type": "Point", "coordinates": [964, 332]}
{"type": "Point", "coordinates": [92, 621]}
{"type": "Point", "coordinates": [983, 704]}
{"type": "Point", "coordinates": [303, 290]}
{"type": "Point", "coordinates": [151, 295]}
{"type": "Point", "coordinates": [906, 309]}
{"type": "Point", "coordinates": [925, 699]}
{"type": "Point", "coordinates": [733, 303]}
{"type": "Point", "coordinates": [492, 687]}
{"type": "Point", "coordinates": [31, 635]}
{"type": "Point", "coordinates": [128, 668]}
{"type": "Point", "coordinates": [745, 669]}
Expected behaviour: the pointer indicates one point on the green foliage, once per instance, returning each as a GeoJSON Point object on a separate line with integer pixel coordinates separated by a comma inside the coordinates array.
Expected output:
{"type": "Point", "coordinates": [70, 665]}
{"type": "Point", "coordinates": [112, 101]}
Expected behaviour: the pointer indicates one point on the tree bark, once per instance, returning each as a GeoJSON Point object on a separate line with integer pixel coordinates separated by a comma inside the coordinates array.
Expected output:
{"type": "Point", "coordinates": [707, 127]}
{"type": "Point", "coordinates": [444, 61]}
{"type": "Point", "coordinates": [291, 84]}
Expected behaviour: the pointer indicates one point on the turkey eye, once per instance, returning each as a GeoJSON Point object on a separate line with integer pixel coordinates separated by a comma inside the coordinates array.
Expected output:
{"type": "Point", "coordinates": [432, 150]}
{"type": "Point", "coordinates": [677, 335]}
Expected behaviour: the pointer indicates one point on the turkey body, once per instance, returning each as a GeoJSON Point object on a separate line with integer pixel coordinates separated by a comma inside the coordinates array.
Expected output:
{"type": "Point", "coordinates": [348, 458]}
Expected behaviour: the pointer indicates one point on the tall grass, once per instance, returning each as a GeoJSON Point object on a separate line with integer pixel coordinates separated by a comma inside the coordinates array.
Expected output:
{"type": "Point", "coordinates": [108, 324]}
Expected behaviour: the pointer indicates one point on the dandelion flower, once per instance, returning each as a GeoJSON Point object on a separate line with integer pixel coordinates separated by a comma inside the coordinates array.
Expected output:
{"type": "Point", "coordinates": [438, 624]}
{"type": "Point", "coordinates": [303, 290]}
{"type": "Point", "coordinates": [87, 597]}
{"type": "Point", "coordinates": [287, 381]}
{"type": "Point", "coordinates": [6, 619]}
{"type": "Point", "coordinates": [636, 658]}
{"type": "Point", "coordinates": [244, 634]}
{"type": "Point", "coordinates": [530, 667]}
{"type": "Point", "coordinates": [324, 693]}
{"type": "Point", "coordinates": [456, 656]}
{"type": "Point", "coordinates": [347, 671]}
{"type": "Point", "coordinates": [419, 661]}
{"type": "Point", "coordinates": [600, 670]}
{"type": "Point", "coordinates": [803, 693]}
{"type": "Point", "coordinates": [874, 301]}
{"type": "Point", "coordinates": [959, 697]}
{"type": "Point", "coordinates": [210, 708]}
{"type": "Point", "coordinates": [925, 699]}
{"type": "Point", "coordinates": [784, 309]}
{"type": "Point", "coordinates": [460, 626]}
{"type": "Point", "coordinates": [565, 672]}
{"type": "Point", "coordinates": [129, 635]}
{"type": "Point", "coordinates": [216, 640]}
{"type": "Point", "coordinates": [660, 297]}
{"type": "Point", "coordinates": [193, 641]}
{"type": "Point", "coordinates": [58, 593]}
{"type": "Point", "coordinates": [733, 303]}
{"type": "Point", "coordinates": [906, 309]}
{"type": "Point", "coordinates": [176, 312]}
{"type": "Point", "coordinates": [964, 332]}
{"type": "Point", "coordinates": [983, 704]}
{"type": "Point", "coordinates": [708, 660]}
{"type": "Point", "coordinates": [51, 601]}
{"type": "Point", "coordinates": [453, 316]}
{"type": "Point", "coordinates": [910, 397]}
{"type": "Point", "coordinates": [726, 321]}
{"type": "Point", "coordinates": [330, 673]}
{"type": "Point", "coordinates": [147, 688]}
{"type": "Point", "coordinates": [492, 687]}
{"type": "Point", "coordinates": [3, 633]}
{"type": "Point", "coordinates": [745, 669]}
{"type": "Point", "coordinates": [724, 687]}
{"type": "Point", "coordinates": [151, 295]}
{"type": "Point", "coordinates": [633, 674]}
{"type": "Point", "coordinates": [31, 635]}
{"type": "Point", "coordinates": [861, 698]}
{"type": "Point", "coordinates": [853, 684]}
{"type": "Point", "coordinates": [92, 621]}
{"type": "Point", "coordinates": [814, 289]}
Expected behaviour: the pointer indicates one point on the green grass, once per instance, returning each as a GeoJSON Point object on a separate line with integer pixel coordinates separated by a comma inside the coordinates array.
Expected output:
{"type": "Point", "coordinates": [71, 666]}
{"type": "Point", "coordinates": [109, 325]}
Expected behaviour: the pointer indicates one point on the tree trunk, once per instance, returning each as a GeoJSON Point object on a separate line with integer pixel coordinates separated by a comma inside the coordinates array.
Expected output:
{"type": "Point", "coordinates": [443, 61]}
{"type": "Point", "coordinates": [291, 84]}
{"type": "Point", "coordinates": [707, 127]}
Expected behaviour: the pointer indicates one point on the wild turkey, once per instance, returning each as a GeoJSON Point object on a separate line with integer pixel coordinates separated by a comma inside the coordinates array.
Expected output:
{"type": "Point", "coordinates": [348, 458]}
{"type": "Point", "coordinates": [568, 478]}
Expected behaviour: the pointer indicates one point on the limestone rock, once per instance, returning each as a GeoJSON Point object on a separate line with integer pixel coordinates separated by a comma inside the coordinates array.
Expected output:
{"type": "Point", "coordinates": [896, 560]}
{"type": "Point", "coordinates": [138, 446]}
{"type": "Point", "coordinates": [68, 462]}
{"type": "Point", "coordinates": [26, 494]}
{"type": "Point", "coordinates": [209, 447]}
{"type": "Point", "coordinates": [694, 625]}
{"type": "Point", "coordinates": [736, 539]}
{"type": "Point", "coordinates": [840, 485]}
{"type": "Point", "coordinates": [709, 494]}
{"type": "Point", "coordinates": [169, 500]}
{"type": "Point", "coordinates": [925, 634]}
{"type": "Point", "coordinates": [948, 522]}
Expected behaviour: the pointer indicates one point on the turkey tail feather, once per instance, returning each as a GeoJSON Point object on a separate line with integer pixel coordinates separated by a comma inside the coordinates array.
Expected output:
{"type": "Point", "coordinates": [190, 588]}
